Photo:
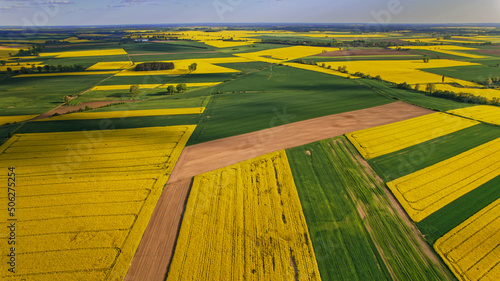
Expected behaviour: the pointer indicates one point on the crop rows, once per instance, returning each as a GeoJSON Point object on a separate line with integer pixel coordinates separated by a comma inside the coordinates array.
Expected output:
{"type": "Point", "coordinates": [389, 138]}
{"type": "Point", "coordinates": [428, 190]}
{"type": "Point", "coordinates": [85, 198]}
{"type": "Point", "coordinates": [245, 221]}
{"type": "Point", "coordinates": [484, 113]}
{"type": "Point", "coordinates": [472, 250]}
{"type": "Point", "coordinates": [125, 114]}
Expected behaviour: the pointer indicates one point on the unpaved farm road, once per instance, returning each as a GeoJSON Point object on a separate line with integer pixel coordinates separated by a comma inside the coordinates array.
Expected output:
{"type": "Point", "coordinates": [156, 248]}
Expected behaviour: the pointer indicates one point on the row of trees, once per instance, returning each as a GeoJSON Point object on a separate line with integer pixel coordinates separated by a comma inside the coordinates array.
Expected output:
{"type": "Point", "coordinates": [135, 90]}
{"type": "Point", "coordinates": [151, 66]}
{"type": "Point", "coordinates": [31, 51]}
{"type": "Point", "coordinates": [46, 69]}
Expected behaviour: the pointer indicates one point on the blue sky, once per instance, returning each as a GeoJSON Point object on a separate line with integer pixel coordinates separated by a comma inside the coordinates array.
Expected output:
{"type": "Point", "coordinates": [101, 12]}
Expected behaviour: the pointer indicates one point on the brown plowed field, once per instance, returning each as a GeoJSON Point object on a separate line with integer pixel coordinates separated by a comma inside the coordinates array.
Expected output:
{"type": "Point", "coordinates": [155, 251]}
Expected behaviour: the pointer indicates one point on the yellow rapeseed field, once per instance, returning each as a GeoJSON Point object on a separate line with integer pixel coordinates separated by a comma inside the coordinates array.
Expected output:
{"type": "Point", "coordinates": [110, 65]}
{"type": "Point", "coordinates": [428, 190]}
{"type": "Point", "coordinates": [125, 114]}
{"type": "Point", "coordinates": [228, 44]}
{"type": "Point", "coordinates": [472, 249]}
{"type": "Point", "coordinates": [84, 199]}
{"type": "Point", "coordinates": [409, 71]}
{"type": "Point", "coordinates": [93, 53]}
{"type": "Point", "coordinates": [16, 118]}
{"type": "Point", "coordinates": [245, 222]}
{"type": "Point", "coordinates": [285, 54]}
{"type": "Point", "coordinates": [446, 49]}
{"type": "Point", "coordinates": [389, 138]}
{"type": "Point", "coordinates": [182, 67]}
{"type": "Point", "coordinates": [317, 68]}
{"type": "Point", "coordinates": [485, 113]}
{"type": "Point", "coordinates": [151, 86]}
{"type": "Point", "coordinates": [483, 92]}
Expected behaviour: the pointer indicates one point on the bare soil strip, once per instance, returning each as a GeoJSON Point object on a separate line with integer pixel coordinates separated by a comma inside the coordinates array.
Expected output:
{"type": "Point", "coordinates": [63, 109]}
{"type": "Point", "coordinates": [156, 248]}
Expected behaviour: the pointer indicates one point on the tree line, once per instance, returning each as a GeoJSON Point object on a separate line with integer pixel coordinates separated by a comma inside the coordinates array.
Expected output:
{"type": "Point", "coordinates": [149, 66]}
{"type": "Point", "coordinates": [46, 69]}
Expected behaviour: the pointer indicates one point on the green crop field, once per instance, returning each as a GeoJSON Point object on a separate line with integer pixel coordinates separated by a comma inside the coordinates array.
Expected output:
{"type": "Point", "coordinates": [277, 101]}
{"type": "Point", "coordinates": [469, 73]}
{"type": "Point", "coordinates": [412, 97]}
{"type": "Point", "coordinates": [36, 95]}
{"type": "Point", "coordinates": [355, 231]}
{"type": "Point", "coordinates": [450, 216]}
{"type": "Point", "coordinates": [111, 123]}
{"type": "Point", "coordinates": [406, 161]}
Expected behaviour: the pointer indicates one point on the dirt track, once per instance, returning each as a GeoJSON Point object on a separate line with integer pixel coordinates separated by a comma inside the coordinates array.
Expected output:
{"type": "Point", "coordinates": [64, 109]}
{"type": "Point", "coordinates": [155, 251]}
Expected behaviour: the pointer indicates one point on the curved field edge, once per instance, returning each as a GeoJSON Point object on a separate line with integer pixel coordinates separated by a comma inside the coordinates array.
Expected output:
{"type": "Point", "coordinates": [350, 215]}
{"type": "Point", "coordinates": [245, 221]}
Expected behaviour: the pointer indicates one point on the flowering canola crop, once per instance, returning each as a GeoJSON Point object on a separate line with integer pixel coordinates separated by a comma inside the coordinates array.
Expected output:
{"type": "Point", "coordinates": [245, 222]}
{"type": "Point", "coordinates": [389, 138]}
{"type": "Point", "coordinates": [472, 249]}
{"type": "Point", "coordinates": [428, 190]}
{"type": "Point", "coordinates": [485, 113]}
{"type": "Point", "coordinates": [84, 199]}
{"type": "Point", "coordinates": [14, 119]}
{"type": "Point", "coordinates": [125, 114]}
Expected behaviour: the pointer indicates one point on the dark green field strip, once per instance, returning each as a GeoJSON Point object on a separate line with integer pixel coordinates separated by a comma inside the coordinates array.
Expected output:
{"type": "Point", "coordinates": [245, 66]}
{"type": "Point", "coordinates": [284, 78]}
{"type": "Point", "coordinates": [458, 211]}
{"type": "Point", "coordinates": [468, 73]}
{"type": "Point", "coordinates": [161, 103]}
{"type": "Point", "coordinates": [165, 47]}
{"type": "Point", "coordinates": [361, 58]}
{"type": "Point", "coordinates": [235, 114]}
{"type": "Point", "coordinates": [85, 61]}
{"type": "Point", "coordinates": [409, 160]}
{"type": "Point", "coordinates": [36, 95]}
{"type": "Point", "coordinates": [89, 46]}
{"type": "Point", "coordinates": [355, 231]}
{"type": "Point", "coordinates": [289, 95]}
{"type": "Point", "coordinates": [112, 123]}
{"type": "Point", "coordinates": [418, 99]}
{"type": "Point", "coordinates": [251, 48]}
{"type": "Point", "coordinates": [7, 130]}
{"type": "Point", "coordinates": [199, 54]}
{"type": "Point", "coordinates": [168, 79]}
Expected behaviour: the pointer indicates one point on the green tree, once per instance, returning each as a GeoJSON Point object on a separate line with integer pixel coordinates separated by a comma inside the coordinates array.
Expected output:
{"type": "Point", "coordinates": [134, 91]}
{"type": "Point", "coordinates": [431, 88]}
{"type": "Point", "coordinates": [426, 59]}
{"type": "Point", "coordinates": [67, 99]}
{"type": "Point", "coordinates": [192, 67]}
{"type": "Point", "coordinates": [40, 69]}
{"type": "Point", "coordinates": [46, 67]}
{"type": "Point", "coordinates": [489, 82]}
{"type": "Point", "coordinates": [2, 62]}
{"type": "Point", "coordinates": [181, 88]}
{"type": "Point", "coordinates": [9, 69]}
{"type": "Point", "coordinates": [171, 89]}
{"type": "Point", "coordinates": [417, 87]}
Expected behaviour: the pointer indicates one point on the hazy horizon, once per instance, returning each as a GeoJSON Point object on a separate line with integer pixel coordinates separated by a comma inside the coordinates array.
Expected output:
{"type": "Point", "coordinates": [140, 12]}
